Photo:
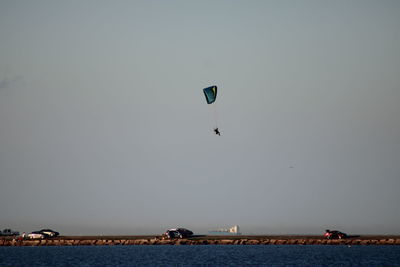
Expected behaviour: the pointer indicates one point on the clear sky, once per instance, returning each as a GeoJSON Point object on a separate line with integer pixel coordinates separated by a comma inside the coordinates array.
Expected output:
{"type": "Point", "coordinates": [104, 128]}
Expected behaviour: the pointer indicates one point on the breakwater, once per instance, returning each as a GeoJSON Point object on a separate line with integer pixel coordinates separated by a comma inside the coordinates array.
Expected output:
{"type": "Point", "coordinates": [101, 241]}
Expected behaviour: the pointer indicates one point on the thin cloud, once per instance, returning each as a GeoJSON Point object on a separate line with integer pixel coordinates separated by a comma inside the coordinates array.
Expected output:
{"type": "Point", "coordinates": [6, 83]}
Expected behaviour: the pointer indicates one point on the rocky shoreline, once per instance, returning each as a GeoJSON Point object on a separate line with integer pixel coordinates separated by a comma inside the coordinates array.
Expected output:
{"type": "Point", "coordinates": [226, 240]}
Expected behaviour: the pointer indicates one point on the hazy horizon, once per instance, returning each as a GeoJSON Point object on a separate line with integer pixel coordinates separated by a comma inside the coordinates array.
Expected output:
{"type": "Point", "coordinates": [104, 128]}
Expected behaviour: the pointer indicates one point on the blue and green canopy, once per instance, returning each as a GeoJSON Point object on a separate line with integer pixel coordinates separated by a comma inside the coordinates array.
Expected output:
{"type": "Point", "coordinates": [210, 93]}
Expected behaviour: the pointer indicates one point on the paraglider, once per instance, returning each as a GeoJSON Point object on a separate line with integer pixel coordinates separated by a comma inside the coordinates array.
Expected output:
{"type": "Point", "coordinates": [211, 95]}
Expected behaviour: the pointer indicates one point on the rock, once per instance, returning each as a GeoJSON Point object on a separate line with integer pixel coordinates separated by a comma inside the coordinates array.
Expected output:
{"type": "Point", "coordinates": [86, 242]}
{"type": "Point", "coordinates": [280, 242]}
{"type": "Point", "coordinates": [253, 242]}
{"type": "Point", "coordinates": [226, 241]}
{"type": "Point", "coordinates": [129, 242]}
{"type": "Point", "coordinates": [141, 242]}
{"type": "Point", "coordinates": [181, 242]}
{"type": "Point", "coordinates": [28, 243]}
{"type": "Point", "coordinates": [311, 241]}
{"type": "Point", "coordinates": [164, 242]}
{"type": "Point", "coordinates": [302, 242]}
{"type": "Point", "coordinates": [337, 242]}
{"type": "Point", "coordinates": [365, 242]}
{"type": "Point", "coordinates": [382, 242]}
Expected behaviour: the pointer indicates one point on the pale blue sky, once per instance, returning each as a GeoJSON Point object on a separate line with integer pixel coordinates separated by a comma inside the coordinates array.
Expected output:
{"type": "Point", "coordinates": [104, 128]}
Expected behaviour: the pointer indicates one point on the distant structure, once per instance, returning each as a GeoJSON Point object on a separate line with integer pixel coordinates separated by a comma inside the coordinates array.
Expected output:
{"type": "Point", "coordinates": [234, 230]}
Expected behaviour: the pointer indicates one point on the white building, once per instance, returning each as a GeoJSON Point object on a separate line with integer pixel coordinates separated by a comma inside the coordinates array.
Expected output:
{"type": "Point", "coordinates": [234, 230]}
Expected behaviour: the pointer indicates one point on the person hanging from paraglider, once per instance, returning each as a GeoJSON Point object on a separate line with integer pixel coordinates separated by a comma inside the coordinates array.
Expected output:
{"type": "Point", "coordinates": [211, 94]}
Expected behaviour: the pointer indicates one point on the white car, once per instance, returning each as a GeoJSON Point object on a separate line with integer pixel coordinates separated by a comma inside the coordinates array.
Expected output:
{"type": "Point", "coordinates": [36, 235]}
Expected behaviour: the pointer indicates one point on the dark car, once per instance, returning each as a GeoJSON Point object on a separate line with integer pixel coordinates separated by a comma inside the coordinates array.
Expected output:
{"type": "Point", "coordinates": [9, 232]}
{"type": "Point", "coordinates": [334, 234]}
{"type": "Point", "coordinates": [49, 233]}
{"type": "Point", "coordinates": [178, 233]}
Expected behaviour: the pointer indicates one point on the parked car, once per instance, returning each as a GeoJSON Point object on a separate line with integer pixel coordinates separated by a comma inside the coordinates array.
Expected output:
{"type": "Point", "coordinates": [178, 233]}
{"type": "Point", "coordinates": [49, 233]}
{"type": "Point", "coordinates": [334, 234]}
{"type": "Point", "coordinates": [8, 232]}
{"type": "Point", "coordinates": [36, 235]}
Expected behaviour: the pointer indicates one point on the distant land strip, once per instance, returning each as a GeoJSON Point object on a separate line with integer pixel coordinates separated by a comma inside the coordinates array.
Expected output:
{"type": "Point", "coordinates": [200, 240]}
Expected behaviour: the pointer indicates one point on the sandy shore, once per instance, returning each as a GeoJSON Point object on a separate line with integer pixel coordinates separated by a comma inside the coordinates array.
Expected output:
{"type": "Point", "coordinates": [202, 240]}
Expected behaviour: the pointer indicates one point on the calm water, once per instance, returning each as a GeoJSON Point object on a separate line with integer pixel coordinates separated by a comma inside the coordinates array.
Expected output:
{"type": "Point", "coordinates": [201, 256]}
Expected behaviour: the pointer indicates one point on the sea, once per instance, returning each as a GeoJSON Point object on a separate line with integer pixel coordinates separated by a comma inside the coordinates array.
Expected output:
{"type": "Point", "coordinates": [206, 255]}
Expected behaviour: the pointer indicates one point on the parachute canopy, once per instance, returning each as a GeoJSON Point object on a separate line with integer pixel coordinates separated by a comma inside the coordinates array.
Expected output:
{"type": "Point", "coordinates": [210, 93]}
